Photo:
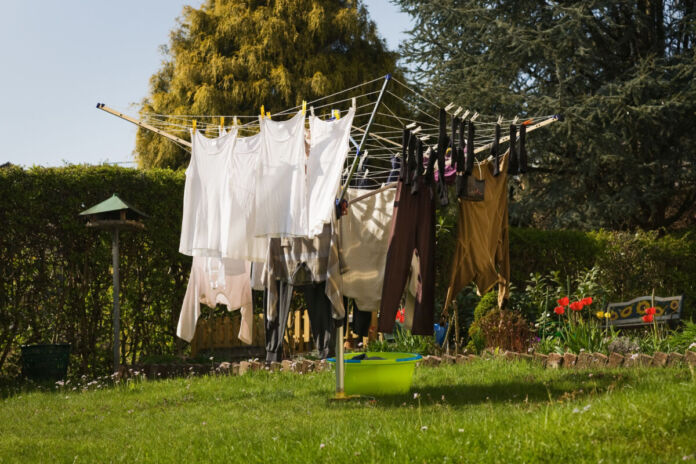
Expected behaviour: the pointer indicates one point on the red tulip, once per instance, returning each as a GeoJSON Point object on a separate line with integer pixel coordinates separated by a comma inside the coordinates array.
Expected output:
{"type": "Point", "coordinates": [576, 305]}
{"type": "Point", "coordinates": [650, 311]}
{"type": "Point", "coordinates": [559, 310]}
{"type": "Point", "coordinates": [648, 318]}
{"type": "Point", "coordinates": [564, 301]}
{"type": "Point", "coordinates": [586, 301]}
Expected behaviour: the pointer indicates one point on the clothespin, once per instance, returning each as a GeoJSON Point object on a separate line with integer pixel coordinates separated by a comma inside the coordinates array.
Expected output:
{"type": "Point", "coordinates": [353, 103]}
{"type": "Point", "coordinates": [459, 110]}
{"type": "Point", "coordinates": [222, 124]}
{"type": "Point", "coordinates": [473, 118]}
{"type": "Point", "coordinates": [337, 114]}
{"type": "Point", "coordinates": [194, 126]}
{"type": "Point", "coordinates": [262, 112]}
{"type": "Point", "coordinates": [466, 113]}
{"type": "Point", "coordinates": [515, 119]}
{"type": "Point", "coordinates": [449, 107]}
{"type": "Point", "coordinates": [304, 107]}
{"type": "Point", "coordinates": [268, 114]}
{"type": "Point", "coordinates": [411, 126]}
{"type": "Point", "coordinates": [424, 138]}
{"type": "Point", "coordinates": [311, 110]}
{"type": "Point", "coordinates": [528, 122]}
{"type": "Point", "coordinates": [500, 119]}
{"type": "Point", "coordinates": [417, 130]}
{"type": "Point", "coordinates": [234, 121]}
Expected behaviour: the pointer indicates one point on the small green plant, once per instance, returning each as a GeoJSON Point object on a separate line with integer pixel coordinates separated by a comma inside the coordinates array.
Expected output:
{"type": "Point", "coordinates": [404, 341]}
{"type": "Point", "coordinates": [684, 339]}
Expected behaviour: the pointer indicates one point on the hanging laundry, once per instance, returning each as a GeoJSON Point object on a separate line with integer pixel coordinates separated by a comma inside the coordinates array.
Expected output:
{"type": "Point", "coordinates": [217, 281]}
{"type": "Point", "coordinates": [413, 229]}
{"type": "Point", "coordinates": [281, 183]}
{"type": "Point", "coordinates": [327, 154]}
{"type": "Point", "coordinates": [206, 195]}
{"type": "Point", "coordinates": [482, 252]}
{"type": "Point", "coordinates": [363, 241]}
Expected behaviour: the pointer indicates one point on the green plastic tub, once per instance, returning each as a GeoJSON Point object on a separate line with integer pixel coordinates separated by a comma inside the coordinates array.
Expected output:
{"type": "Point", "coordinates": [389, 376]}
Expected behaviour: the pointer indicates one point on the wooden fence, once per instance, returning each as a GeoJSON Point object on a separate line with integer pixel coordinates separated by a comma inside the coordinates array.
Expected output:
{"type": "Point", "coordinates": [221, 333]}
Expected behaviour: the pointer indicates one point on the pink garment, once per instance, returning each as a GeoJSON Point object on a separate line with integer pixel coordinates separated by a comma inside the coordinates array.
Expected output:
{"type": "Point", "coordinates": [217, 281]}
{"type": "Point", "coordinates": [450, 169]}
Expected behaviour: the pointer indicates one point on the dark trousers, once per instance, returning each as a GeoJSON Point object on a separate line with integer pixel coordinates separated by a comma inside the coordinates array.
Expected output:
{"type": "Point", "coordinates": [320, 320]}
{"type": "Point", "coordinates": [413, 229]}
{"type": "Point", "coordinates": [361, 319]}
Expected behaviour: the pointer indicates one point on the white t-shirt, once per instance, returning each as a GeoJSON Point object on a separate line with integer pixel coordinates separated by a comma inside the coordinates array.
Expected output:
{"type": "Point", "coordinates": [281, 183]}
{"type": "Point", "coordinates": [238, 235]}
{"type": "Point", "coordinates": [327, 154]}
{"type": "Point", "coordinates": [206, 195]}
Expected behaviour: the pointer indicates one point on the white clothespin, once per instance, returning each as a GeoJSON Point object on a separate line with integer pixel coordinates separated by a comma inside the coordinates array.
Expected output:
{"type": "Point", "coordinates": [353, 103]}
{"type": "Point", "coordinates": [514, 121]}
{"type": "Point", "coordinates": [459, 110]}
{"type": "Point", "coordinates": [311, 110]}
{"type": "Point", "coordinates": [500, 119]}
{"type": "Point", "coordinates": [411, 126]}
{"type": "Point", "coordinates": [466, 113]}
{"type": "Point", "coordinates": [424, 138]}
{"type": "Point", "coordinates": [449, 107]}
{"type": "Point", "coordinates": [417, 130]}
{"type": "Point", "coordinates": [476, 115]}
{"type": "Point", "coordinates": [362, 160]}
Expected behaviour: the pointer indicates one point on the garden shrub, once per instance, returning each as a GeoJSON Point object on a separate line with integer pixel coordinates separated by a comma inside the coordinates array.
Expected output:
{"type": "Point", "coordinates": [504, 329]}
{"type": "Point", "coordinates": [684, 339]}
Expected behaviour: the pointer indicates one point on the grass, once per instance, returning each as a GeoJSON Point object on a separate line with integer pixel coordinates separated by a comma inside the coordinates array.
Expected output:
{"type": "Point", "coordinates": [486, 411]}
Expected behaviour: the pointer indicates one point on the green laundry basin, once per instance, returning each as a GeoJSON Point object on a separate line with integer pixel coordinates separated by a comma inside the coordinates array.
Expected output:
{"type": "Point", "coordinates": [389, 376]}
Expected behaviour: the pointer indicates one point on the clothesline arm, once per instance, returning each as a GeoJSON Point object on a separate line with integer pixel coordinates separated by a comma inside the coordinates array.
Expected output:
{"type": "Point", "coordinates": [144, 125]}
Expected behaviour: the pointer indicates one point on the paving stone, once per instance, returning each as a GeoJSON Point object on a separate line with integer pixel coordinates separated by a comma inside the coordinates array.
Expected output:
{"type": "Point", "coordinates": [584, 360]}
{"type": "Point", "coordinates": [286, 365]}
{"type": "Point", "coordinates": [510, 355]}
{"type": "Point", "coordinates": [448, 359]}
{"type": "Point", "coordinates": [244, 367]}
{"type": "Point", "coordinates": [525, 357]}
{"type": "Point", "coordinates": [690, 357]}
{"type": "Point", "coordinates": [599, 360]}
{"type": "Point", "coordinates": [615, 360]}
{"type": "Point", "coordinates": [432, 360]}
{"type": "Point", "coordinates": [274, 366]}
{"type": "Point", "coordinates": [256, 365]}
{"type": "Point", "coordinates": [569, 360]}
{"type": "Point", "coordinates": [631, 360]}
{"type": "Point", "coordinates": [541, 358]}
{"type": "Point", "coordinates": [235, 369]}
{"type": "Point", "coordinates": [555, 360]}
{"type": "Point", "coordinates": [659, 359]}
{"type": "Point", "coordinates": [474, 357]}
{"type": "Point", "coordinates": [462, 359]}
{"type": "Point", "coordinates": [675, 359]}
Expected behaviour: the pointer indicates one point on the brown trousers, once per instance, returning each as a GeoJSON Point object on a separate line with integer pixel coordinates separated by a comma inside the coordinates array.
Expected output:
{"type": "Point", "coordinates": [483, 254]}
{"type": "Point", "coordinates": [412, 230]}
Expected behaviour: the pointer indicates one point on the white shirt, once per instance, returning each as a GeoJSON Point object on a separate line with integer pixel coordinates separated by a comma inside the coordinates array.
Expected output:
{"type": "Point", "coordinates": [213, 281]}
{"type": "Point", "coordinates": [238, 230]}
{"type": "Point", "coordinates": [206, 195]}
{"type": "Point", "coordinates": [327, 154]}
{"type": "Point", "coordinates": [281, 183]}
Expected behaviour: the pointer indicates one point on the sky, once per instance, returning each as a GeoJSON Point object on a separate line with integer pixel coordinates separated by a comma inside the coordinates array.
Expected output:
{"type": "Point", "coordinates": [60, 58]}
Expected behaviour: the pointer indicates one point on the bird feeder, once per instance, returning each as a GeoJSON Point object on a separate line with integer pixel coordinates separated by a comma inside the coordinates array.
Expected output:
{"type": "Point", "coordinates": [115, 215]}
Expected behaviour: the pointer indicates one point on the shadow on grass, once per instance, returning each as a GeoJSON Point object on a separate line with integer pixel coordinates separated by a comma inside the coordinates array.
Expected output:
{"type": "Point", "coordinates": [569, 386]}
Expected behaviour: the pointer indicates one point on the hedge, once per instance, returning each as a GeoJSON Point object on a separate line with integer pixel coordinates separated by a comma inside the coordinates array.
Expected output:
{"type": "Point", "coordinates": [55, 281]}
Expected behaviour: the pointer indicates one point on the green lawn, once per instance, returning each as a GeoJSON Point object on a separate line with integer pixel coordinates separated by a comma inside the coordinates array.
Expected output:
{"type": "Point", "coordinates": [486, 411]}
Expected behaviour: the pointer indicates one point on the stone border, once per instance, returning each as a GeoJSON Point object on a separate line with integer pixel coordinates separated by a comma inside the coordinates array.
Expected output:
{"type": "Point", "coordinates": [304, 366]}
{"type": "Point", "coordinates": [569, 360]}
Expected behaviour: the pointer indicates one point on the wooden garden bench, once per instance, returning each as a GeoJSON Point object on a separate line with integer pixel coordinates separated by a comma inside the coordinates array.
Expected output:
{"type": "Point", "coordinates": [630, 313]}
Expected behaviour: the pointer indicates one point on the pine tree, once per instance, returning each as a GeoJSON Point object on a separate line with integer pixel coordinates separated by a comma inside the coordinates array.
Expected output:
{"type": "Point", "coordinates": [232, 56]}
{"type": "Point", "coordinates": [622, 73]}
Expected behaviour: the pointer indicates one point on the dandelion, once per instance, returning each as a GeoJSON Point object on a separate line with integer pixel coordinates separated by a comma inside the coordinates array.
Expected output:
{"type": "Point", "coordinates": [321, 446]}
{"type": "Point", "coordinates": [461, 430]}
{"type": "Point", "coordinates": [424, 428]}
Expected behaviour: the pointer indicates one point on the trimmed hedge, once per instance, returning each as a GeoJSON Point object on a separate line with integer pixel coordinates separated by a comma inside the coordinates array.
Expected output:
{"type": "Point", "coordinates": [55, 281]}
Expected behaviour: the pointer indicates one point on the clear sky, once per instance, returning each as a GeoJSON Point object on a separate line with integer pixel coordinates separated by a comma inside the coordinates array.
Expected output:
{"type": "Point", "coordinates": [59, 58]}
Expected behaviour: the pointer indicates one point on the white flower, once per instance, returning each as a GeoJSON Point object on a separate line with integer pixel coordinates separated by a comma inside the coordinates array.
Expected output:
{"type": "Point", "coordinates": [416, 395]}
{"type": "Point", "coordinates": [461, 430]}
{"type": "Point", "coordinates": [321, 446]}
{"type": "Point", "coordinates": [424, 428]}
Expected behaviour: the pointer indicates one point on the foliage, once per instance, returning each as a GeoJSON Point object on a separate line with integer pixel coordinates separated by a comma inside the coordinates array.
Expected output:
{"type": "Point", "coordinates": [405, 342]}
{"type": "Point", "coordinates": [683, 339]}
{"type": "Point", "coordinates": [232, 56]}
{"type": "Point", "coordinates": [504, 329]}
{"type": "Point", "coordinates": [640, 415]}
{"type": "Point", "coordinates": [623, 74]}
{"type": "Point", "coordinates": [55, 281]}
{"type": "Point", "coordinates": [486, 304]}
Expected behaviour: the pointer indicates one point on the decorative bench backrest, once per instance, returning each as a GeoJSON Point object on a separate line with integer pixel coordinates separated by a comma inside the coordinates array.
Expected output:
{"type": "Point", "coordinates": [630, 313]}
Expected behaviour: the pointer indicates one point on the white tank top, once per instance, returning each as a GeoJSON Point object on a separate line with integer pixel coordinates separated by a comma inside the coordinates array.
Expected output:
{"type": "Point", "coordinates": [281, 183]}
{"type": "Point", "coordinates": [239, 234]}
{"type": "Point", "coordinates": [206, 195]}
{"type": "Point", "coordinates": [327, 154]}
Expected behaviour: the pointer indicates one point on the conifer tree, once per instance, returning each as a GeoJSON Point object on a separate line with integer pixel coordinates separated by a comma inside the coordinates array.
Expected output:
{"type": "Point", "coordinates": [232, 56]}
{"type": "Point", "coordinates": [622, 73]}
